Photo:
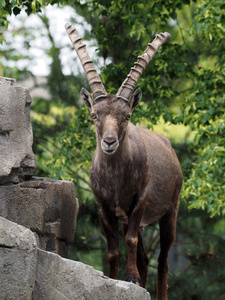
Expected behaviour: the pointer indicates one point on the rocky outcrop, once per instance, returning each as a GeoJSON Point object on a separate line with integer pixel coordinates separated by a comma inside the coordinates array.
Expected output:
{"type": "Point", "coordinates": [48, 207]}
{"type": "Point", "coordinates": [18, 261]}
{"type": "Point", "coordinates": [61, 279]}
{"type": "Point", "coordinates": [30, 273]}
{"type": "Point", "coordinates": [17, 160]}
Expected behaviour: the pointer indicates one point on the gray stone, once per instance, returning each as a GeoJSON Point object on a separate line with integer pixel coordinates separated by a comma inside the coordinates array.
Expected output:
{"type": "Point", "coordinates": [31, 273]}
{"type": "Point", "coordinates": [46, 206]}
{"type": "Point", "coordinates": [63, 279]}
{"type": "Point", "coordinates": [17, 160]}
{"type": "Point", "coordinates": [18, 261]}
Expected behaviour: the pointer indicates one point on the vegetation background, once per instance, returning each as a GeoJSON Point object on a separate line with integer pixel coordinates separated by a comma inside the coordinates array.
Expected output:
{"type": "Point", "coordinates": [183, 98]}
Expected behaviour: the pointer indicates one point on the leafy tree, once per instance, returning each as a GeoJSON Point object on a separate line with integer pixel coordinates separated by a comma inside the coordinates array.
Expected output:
{"type": "Point", "coordinates": [8, 7]}
{"type": "Point", "coordinates": [203, 110]}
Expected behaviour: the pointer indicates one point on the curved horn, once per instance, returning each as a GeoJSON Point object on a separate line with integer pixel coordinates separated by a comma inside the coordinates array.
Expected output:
{"type": "Point", "coordinates": [130, 82]}
{"type": "Point", "coordinates": [93, 78]}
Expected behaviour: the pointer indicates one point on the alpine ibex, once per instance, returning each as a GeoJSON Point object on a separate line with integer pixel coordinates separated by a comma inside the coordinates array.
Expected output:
{"type": "Point", "coordinates": [135, 174]}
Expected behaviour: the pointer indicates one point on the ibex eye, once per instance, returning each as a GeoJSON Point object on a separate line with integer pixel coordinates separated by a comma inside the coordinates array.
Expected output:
{"type": "Point", "coordinates": [93, 116]}
{"type": "Point", "coordinates": [128, 117]}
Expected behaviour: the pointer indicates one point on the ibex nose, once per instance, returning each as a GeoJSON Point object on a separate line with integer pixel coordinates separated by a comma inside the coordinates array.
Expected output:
{"type": "Point", "coordinates": [109, 142]}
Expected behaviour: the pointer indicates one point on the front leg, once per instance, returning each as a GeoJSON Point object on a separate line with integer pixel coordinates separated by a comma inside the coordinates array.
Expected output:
{"type": "Point", "coordinates": [110, 225]}
{"type": "Point", "coordinates": [131, 237]}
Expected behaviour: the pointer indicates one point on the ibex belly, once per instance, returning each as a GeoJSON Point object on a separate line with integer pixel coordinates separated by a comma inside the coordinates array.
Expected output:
{"type": "Point", "coordinates": [164, 176]}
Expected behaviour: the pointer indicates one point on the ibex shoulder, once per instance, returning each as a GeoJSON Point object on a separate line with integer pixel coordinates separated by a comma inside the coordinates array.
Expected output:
{"type": "Point", "coordinates": [149, 135]}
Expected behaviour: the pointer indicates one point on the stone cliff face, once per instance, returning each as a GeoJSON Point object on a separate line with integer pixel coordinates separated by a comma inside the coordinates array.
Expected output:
{"type": "Point", "coordinates": [47, 207]}
{"type": "Point", "coordinates": [17, 160]}
{"type": "Point", "coordinates": [28, 272]}
{"type": "Point", "coordinates": [18, 261]}
{"type": "Point", "coordinates": [38, 221]}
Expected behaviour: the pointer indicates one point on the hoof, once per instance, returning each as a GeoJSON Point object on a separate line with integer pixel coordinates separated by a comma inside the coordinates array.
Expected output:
{"type": "Point", "coordinates": [131, 278]}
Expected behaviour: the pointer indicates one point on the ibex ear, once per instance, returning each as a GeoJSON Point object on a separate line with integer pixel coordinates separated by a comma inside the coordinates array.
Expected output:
{"type": "Point", "coordinates": [135, 99]}
{"type": "Point", "coordinates": [87, 99]}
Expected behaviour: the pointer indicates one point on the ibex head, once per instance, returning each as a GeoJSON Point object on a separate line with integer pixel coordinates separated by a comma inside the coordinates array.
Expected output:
{"type": "Point", "coordinates": [111, 116]}
{"type": "Point", "coordinates": [111, 113]}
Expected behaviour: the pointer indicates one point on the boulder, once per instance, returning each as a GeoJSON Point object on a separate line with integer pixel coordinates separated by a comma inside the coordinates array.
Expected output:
{"type": "Point", "coordinates": [17, 160]}
{"type": "Point", "coordinates": [63, 279]}
{"type": "Point", "coordinates": [48, 207]}
{"type": "Point", "coordinates": [28, 272]}
{"type": "Point", "coordinates": [18, 261]}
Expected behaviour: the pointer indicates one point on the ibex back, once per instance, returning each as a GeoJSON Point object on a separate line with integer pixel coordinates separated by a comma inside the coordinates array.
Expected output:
{"type": "Point", "coordinates": [135, 175]}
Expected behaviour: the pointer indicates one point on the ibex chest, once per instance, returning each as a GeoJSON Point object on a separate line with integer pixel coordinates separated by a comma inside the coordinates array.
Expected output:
{"type": "Point", "coordinates": [116, 184]}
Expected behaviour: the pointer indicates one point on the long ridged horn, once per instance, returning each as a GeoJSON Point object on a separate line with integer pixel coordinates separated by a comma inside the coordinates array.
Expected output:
{"type": "Point", "coordinates": [93, 78]}
{"type": "Point", "coordinates": [130, 82]}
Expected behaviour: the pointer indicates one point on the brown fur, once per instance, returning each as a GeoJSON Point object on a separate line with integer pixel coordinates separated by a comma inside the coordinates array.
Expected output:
{"type": "Point", "coordinates": [138, 184]}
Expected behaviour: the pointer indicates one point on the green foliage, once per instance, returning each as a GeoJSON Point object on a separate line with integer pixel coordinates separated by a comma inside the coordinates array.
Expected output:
{"type": "Point", "coordinates": [202, 275]}
{"type": "Point", "coordinates": [77, 144]}
{"type": "Point", "coordinates": [8, 7]}
{"type": "Point", "coordinates": [203, 109]}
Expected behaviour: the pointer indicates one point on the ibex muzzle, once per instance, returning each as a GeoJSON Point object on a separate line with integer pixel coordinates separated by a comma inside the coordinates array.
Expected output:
{"type": "Point", "coordinates": [135, 174]}
{"type": "Point", "coordinates": [109, 141]}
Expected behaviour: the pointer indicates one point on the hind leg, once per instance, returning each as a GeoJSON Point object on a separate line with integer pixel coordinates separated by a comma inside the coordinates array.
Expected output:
{"type": "Point", "coordinates": [167, 235]}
